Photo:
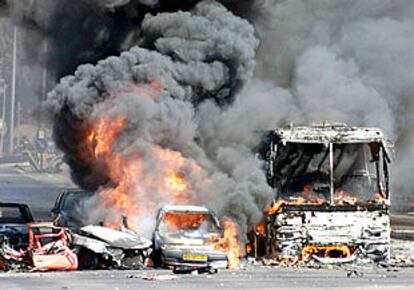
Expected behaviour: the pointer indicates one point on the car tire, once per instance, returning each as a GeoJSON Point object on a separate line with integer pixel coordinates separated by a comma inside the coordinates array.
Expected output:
{"type": "Point", "coordinates": [88, 260]}
{"type": "Point", "coordinates": [156, 256]}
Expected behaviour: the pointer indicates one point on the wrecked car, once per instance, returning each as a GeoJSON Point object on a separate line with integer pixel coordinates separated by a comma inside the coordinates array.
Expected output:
{"type": "Point", "coordinates": [69, 210]}
{"type": "Point", "coordinates": [14, 218]}
{"type": "Point", "coordinates": [332, 193]}
{"type": "Point", "coordinates": [182, 239]}
{"type": "Point", "coordinates": [103, 247]}
{"type": "Point", "coordinates": [47, 249]}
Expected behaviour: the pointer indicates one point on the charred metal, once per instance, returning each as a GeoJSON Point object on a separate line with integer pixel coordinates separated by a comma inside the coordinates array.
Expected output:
{"type": "Point", "coordinates": [332, 195]}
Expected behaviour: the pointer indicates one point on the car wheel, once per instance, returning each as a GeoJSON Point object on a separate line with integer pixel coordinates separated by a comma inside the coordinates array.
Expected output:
{"type": "Point", "coordinates": [156, 257]}
{"type": "Point", "coordinates": [87, 260]}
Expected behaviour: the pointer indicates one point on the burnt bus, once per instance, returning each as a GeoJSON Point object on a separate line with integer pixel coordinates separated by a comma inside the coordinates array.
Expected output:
{"type": "Point", "coordinates": [332, 193]}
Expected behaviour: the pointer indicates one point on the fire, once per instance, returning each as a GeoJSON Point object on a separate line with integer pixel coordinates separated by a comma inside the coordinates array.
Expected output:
{"type": "Point", "coordinates": [341, 198]}
{"type": "Point", "coordinates": [379, 199]}
{"type": "Point", "coordinates": [230, 244]}
{"type": "Point", "coordinates": [307, 198]}
{"type": "Point", "coordinates": [150, 90]}
{"type": "Point", "coordinates": [135, 189]}
{"type": "Point", "coordinates": [276, 206]}
{"type": "Point", "coordinates": [103, 136]}
{"type": "Point", "coordinates": [261, 229]}
{"type": "Point", "coordinates": [176, 182]}
{"type": "Point", "coordinates": [184, 221]}
{"type": "Point", "coordinates": [326, 252]}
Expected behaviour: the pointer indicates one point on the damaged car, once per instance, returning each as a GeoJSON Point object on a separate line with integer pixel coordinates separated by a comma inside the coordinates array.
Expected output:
{"type": "Point", "coordinates": [47, 249]}
{"type": "Point", "coordinates": [182, 239]}
{"type": "Point", "coordinates": [14, 218]}
{"type": "Point", "coordinates": [103, 247]}
{"type": "Point", "coordinates": [71, 207]}
{"type": "Point", "coordinates": [332, 193]}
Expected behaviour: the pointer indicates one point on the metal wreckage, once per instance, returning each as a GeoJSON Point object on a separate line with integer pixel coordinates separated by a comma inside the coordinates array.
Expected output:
{"type": "Point", "coordinates": [332, 199]}
{"type": "Point", "coordinates": [27, 245]}
{"type": "Point", "coordinates": [332, 195]}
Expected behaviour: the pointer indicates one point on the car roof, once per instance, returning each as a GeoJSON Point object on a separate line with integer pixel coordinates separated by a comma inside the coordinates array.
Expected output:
{"type": "Point", "coordinates": [185, 208]}
{"type": "Point", "coordinates": [13, 204]}
{"type": "Point", "coordinates": [76, 190]}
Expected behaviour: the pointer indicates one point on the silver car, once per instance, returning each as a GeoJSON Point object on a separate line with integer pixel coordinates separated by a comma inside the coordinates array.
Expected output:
{"type": "Point", "coordinates": [183, 239]}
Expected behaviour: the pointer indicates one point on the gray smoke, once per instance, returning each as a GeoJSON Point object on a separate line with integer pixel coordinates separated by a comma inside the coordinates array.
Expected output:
{"type": "Point", "coordinates": [86, 31]}
{"type": "Point", "coordinates": [200, 60]}
{"type": "Point", "coordinates": [346, 61]}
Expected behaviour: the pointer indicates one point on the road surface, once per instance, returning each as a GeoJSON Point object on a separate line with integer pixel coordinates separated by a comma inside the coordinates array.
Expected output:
{"type": "Point", "coordinates": [252, 278]}
{"type": "Point", "coordinates": [40, 191]}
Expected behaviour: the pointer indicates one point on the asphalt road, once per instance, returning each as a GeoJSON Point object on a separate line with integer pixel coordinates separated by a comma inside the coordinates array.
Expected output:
{"type": "Point", "coordinates": [252, 278]}
{"type": "Point", "coordinates": [40, 191]}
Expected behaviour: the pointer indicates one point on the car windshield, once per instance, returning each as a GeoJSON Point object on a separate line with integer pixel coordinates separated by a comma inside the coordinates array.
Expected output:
{"type": "Point", "coordinates": [187, 222]}
{"type": "Point", "coordinates": [13, 214]}
{"type": "Point", "coordinates": [73, 200]}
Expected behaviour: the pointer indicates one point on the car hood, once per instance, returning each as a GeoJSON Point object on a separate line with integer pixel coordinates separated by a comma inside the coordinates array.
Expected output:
{"type": "Point", "coordinates": [192, 239]}
{"type": "Point", "coordinates": [118, 239]}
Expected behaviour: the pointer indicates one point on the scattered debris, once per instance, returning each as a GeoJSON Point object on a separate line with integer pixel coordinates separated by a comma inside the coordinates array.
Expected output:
{"type": "Point", "coordinates": [159, 277]}
{"type": "Point", "coordinates": [355, 273]}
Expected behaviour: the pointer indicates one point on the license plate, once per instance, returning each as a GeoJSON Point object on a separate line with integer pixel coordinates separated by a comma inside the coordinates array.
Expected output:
{"type": "Point", "coordinates": [195, 258]}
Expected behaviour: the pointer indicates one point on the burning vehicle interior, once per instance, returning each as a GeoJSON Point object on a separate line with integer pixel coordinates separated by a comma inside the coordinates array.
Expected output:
{"type": "Point", "coordinates": [332, 193]}
{"type": "Point", "coordinates": [184, 238]}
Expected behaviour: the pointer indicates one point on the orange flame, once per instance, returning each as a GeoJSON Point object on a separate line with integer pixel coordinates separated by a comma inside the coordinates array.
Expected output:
{"type": "Point", "coordinates": [379, 199]}
{"type": "Point", "coordinates": [230, 244]}
{"type": "Point", "coordinates": [104, 134]}
{"type": "Point", "coordinates": [261, 229]}
{"type": "Point", "coordinates": [340, 198]}
{"type": "Point", "coordinates": [133, 185]}
{"type": "Point", "coordinates": [276, 206]}
{"type": "Point", "coordinates": [184, 221]}
{"type": "Point", "coordinates": [326, 252]}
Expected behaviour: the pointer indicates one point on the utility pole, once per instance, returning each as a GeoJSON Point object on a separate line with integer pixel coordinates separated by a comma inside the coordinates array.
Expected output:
{"type": "Point", "coordinates": [3, 117]}
{"type": "Point", "coordinates": [13, 92]}
{"type": "Point", "coordinates": [45, 71]}
{"type": "Point", "coordinates": [19, 112]}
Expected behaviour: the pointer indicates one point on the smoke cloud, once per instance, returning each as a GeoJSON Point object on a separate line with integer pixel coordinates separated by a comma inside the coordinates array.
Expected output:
{"type": "Point", "coordinates": [169, 90]}
{"type": "Point", "coordinates": [347, 61]}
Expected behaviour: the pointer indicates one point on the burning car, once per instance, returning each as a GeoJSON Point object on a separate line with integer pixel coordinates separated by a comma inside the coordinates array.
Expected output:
{"type": "Point", "coordinates": [184, 239]}
{"type": "Point", "coordinates": [103, 247]}
{"type": "Point", "coordinates": [332, 193]}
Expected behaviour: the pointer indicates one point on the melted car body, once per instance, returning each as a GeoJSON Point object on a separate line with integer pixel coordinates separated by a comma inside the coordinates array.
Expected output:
{"type": "Point", "coordinates": [103, 247]}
